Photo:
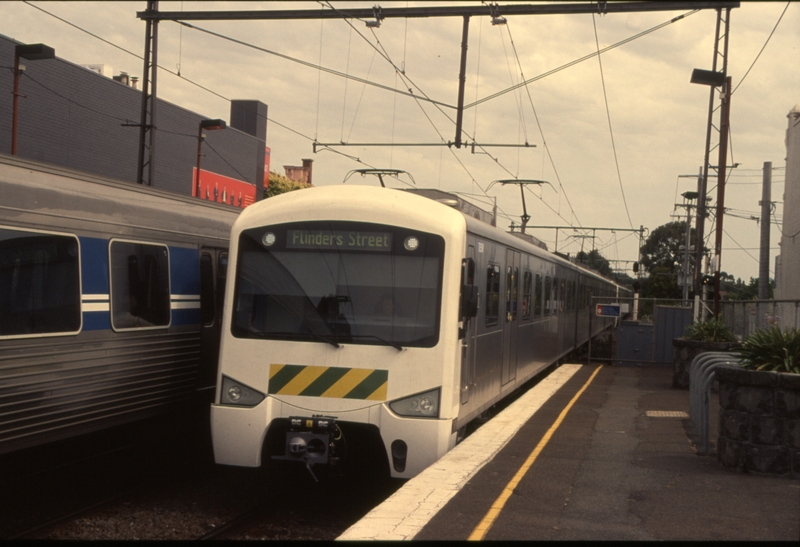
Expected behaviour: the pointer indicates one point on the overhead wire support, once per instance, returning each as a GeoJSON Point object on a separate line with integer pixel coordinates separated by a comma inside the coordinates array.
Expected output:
{"type": "Point", "coordinates": [448, 144]}
{"type": "Point", "coordinates": [491, 10]}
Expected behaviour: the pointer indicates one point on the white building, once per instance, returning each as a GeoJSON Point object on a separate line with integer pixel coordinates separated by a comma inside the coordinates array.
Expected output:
{"type": "Point", "coordinates": [787, 265]}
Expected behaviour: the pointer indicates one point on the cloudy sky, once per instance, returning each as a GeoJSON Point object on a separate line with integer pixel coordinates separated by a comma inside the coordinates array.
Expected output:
{"type": "Point", "coordinates": [619, 139]}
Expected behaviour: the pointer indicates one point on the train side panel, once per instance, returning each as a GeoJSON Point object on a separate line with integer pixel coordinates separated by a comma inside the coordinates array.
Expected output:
{"type": "Point", "coordinates": [101, 292]}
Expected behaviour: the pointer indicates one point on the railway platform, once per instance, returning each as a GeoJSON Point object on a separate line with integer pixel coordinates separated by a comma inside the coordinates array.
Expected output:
{"type": "Point", "coordinates": [590, 453]}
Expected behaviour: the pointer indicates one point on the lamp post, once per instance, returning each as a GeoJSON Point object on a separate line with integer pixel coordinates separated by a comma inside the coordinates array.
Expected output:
{"type": "Point", "coordinates": [209, 125]}
{"type": "Point", "coordinates": [714, 79]}
{"type": "Point", "coordinates": [30, 52]}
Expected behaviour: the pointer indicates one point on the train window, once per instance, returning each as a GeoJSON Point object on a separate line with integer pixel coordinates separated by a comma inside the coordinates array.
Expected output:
{"type": "Point", "coordinates": [570, 295]}
{"type": "Point", "coordinates": [515, 294]}
{"type": "Point", "coordinates": [222, 266]}
{"type": "Point", "coordinates": [527, 282]}
{"type": "Point", "coordinates": [537, 296]}
{"type": "Point", "coordinates": [39, 283]}
{"type": "Point", "coordinates": [492, 294]}
{"type": "Point", "coordinates": [511, 293]}
{"type": "Point", "coordinates": [556, 295]}
{"type": "Point", "coordinates": [207, 307]}
{"type": "Point", "coordinates": [547, 291]}
{"type": "Point", "coordinates": [140, 296]}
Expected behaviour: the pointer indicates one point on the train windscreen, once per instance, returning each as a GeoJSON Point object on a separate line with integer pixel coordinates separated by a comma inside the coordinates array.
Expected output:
{"type": "Point", "coordinates": [339, 282]}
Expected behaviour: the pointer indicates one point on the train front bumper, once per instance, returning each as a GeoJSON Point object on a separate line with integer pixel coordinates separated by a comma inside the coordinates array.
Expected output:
{"type": "Point", "coordinates": [411, 444]}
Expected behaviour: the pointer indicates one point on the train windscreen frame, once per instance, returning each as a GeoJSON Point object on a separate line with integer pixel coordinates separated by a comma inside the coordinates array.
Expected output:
{"type": "Point", "coordinates": [339, 282]}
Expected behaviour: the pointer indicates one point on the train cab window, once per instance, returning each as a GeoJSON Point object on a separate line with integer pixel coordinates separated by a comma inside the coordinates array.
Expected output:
{"type": "Point", "coordinates": [140, 296]}
{"type": "Point", "coordinates": [339, 282]}
{"type": "Point", "coordinates": [492, 294]}
{"type": "Point", "coordinates": [527, 289]}
{"type": "Point", "coordinates": [548, 282]}
{"type": "Point", "coordinates": [537, 296]}
{"type": "Point", "coordinates": [39, 283]}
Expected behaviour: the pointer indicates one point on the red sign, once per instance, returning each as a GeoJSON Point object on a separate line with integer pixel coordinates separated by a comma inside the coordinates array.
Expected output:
{"type": "Point", "coordinates": [222, 189]}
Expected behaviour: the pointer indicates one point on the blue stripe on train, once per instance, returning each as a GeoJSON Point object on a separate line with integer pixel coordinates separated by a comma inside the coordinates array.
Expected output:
{"type": "Point", "coordinates": [184, 282]}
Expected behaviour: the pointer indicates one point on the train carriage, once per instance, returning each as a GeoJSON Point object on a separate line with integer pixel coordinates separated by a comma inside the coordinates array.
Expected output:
{"type": "Point", "coordinates": [370, 320]}
{"type": "Point", "coordinates": [110, 300]}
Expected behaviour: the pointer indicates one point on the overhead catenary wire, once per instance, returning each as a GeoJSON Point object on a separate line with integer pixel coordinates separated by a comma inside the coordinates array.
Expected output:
{"type": "Point", "coordinates": [582, 59]}
{"type": "Point", "coordinates": [608, 117]}
{"type": "Point", "coordinates": [541, 134]}
{"type": "Point", "coordinates": [309, 138]}
{"type": "Point", "coordinates": [762, 48]}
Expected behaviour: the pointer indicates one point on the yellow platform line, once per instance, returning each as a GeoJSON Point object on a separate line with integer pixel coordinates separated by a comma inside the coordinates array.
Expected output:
{"type": "Point", "coordinates": [482, 529]}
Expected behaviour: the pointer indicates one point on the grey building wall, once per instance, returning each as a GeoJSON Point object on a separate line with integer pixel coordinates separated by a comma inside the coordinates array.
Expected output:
{"type": "Point", "coordinates": [72, 116]}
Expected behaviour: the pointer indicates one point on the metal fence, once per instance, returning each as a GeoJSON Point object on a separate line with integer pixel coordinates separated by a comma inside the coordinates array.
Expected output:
{"type": "Point", "coordinates": [644, 332]}
{"type": "Point", "coordinates": [747, 316]}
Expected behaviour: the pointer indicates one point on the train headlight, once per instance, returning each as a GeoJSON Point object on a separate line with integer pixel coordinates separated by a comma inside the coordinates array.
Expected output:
{"type": "Point", "coordinates": [237, 394]}
{"type": "Point", "coordinates": [421, 405]}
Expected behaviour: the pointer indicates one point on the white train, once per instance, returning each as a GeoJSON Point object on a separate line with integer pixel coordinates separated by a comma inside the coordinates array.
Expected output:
{"type": "Point", "coordinates": [373, 323]}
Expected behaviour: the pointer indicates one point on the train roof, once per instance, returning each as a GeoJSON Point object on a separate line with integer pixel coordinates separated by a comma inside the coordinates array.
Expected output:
{"type": "Point", "coordinates": [67, 197]}
{"type": "Point", "coordinates": [325, 202]}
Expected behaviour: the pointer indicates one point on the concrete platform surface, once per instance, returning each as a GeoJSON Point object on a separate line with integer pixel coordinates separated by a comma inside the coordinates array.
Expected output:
{"type": "Point", "coordinates": [618, 465]}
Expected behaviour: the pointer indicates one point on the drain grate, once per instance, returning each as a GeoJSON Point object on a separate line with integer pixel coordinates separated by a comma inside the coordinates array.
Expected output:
{"type": "Point", "coordinates": [666, 414]}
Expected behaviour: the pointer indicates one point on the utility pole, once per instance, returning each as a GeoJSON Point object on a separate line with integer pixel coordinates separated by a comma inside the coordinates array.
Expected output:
{"type": "Point", "coordinates": [717, 79]}
{"type": "Point", "coordinates": [725, 115]}
{"type": "Point", "coordinates": [766, 209]}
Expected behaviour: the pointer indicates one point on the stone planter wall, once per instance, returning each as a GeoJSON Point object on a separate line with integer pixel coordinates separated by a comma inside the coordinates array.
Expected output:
{"type": "Point", "coordinates": [759, 428]}
{"type": "Point", "coordinates": [685, 352]}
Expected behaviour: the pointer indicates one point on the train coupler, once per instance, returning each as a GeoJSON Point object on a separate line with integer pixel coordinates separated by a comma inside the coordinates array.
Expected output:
{"type": "Point", "coordinates": [312, 441]}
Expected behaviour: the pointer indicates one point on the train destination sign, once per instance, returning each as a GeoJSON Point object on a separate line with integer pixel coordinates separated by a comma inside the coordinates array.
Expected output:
{"type": "Point", "coordinates": [339, 239]}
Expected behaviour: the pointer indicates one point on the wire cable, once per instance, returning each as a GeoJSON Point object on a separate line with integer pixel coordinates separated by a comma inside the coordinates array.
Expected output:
{"type": "Point", "coordinates": [584, 58]}
{"type": "Point", "coordinates": [608, 116]}
{"type": "Point", "coordinates": [762, 48]}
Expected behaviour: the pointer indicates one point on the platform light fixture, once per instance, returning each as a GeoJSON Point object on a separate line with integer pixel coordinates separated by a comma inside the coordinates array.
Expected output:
{"type": "Point", "coordinates": [29, 52]}
{"type": "Point", "coordinates": [208, 125]}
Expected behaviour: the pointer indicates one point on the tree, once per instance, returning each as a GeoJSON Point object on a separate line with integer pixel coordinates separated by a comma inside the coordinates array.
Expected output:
{"type": "Point", "coordinates": [662, 283]}
{"type": "Point", "coordinates": [739, 290]}
{"type": "Point", "coordinates": [279, 184]}
{"type": "Point", "coordinates": [663, 248]}
{"type": "Point", "coordinates": [663, 255]}
{"type": "Point", "coordinates": [595, 261]}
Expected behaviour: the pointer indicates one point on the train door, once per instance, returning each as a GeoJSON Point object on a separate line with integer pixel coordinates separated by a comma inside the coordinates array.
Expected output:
{"type": "Point", "coordinates": [468, 340]}
{"type": "Point", "coordinates": [510, 326]}
{"type": "Point", "coordinates": [213, 272]}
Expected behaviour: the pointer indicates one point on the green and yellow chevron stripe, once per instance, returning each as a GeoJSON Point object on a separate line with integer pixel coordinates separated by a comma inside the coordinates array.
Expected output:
{"type": "Point", "coordinates": [335, 382]}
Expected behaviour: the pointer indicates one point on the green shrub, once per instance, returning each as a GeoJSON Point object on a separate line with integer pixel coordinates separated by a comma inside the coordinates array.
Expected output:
{"type": "Point", "coordinates": [713, 330]}
{"type": "Point", "coordinates": [772, 349]}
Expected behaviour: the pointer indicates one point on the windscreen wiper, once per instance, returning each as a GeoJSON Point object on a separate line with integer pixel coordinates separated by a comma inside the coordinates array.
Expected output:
{"type": "Point", "coordinates": [295, 335]}
{"type": "Point", "coordinates": [385, 342]}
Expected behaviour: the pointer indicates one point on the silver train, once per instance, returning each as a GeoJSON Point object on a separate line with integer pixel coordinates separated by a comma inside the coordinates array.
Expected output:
{"type": "Point", "coordinates": [110, 301]}
{"type": "Point", "coordinates": [370, 324]}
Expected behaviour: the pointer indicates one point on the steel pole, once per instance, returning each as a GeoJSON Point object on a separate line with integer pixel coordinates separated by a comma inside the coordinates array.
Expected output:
{"type": "Point", "coordinates": [15, 115]}
{"type": "Point", "coordinates": [766, 209]}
